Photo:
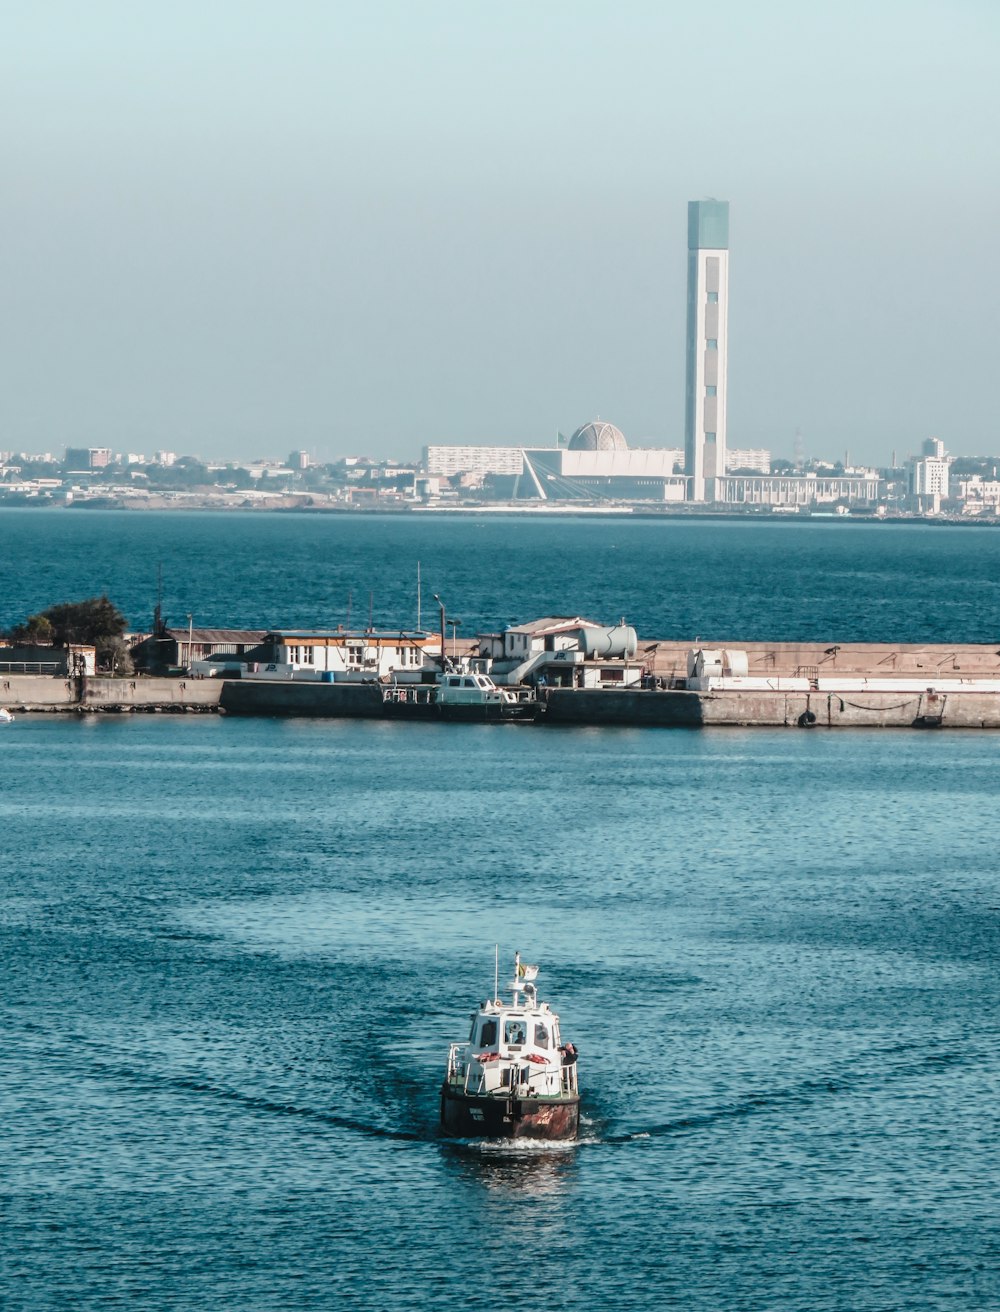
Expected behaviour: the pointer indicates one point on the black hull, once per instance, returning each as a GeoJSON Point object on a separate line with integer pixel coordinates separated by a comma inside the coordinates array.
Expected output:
{"type": "Point", "coordinates": [488, 714]}
{"type": "Point", "coordinates": [509, 1117]}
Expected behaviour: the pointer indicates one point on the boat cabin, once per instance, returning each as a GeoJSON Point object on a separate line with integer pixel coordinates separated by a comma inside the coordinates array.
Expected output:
{"type": "Point", "coordinates": [511, 1033]}
{"type": "Point", "coordinates": [470, 689]}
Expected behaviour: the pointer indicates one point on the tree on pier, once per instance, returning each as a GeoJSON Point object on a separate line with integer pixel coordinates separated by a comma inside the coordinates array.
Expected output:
{"type": "Point", "coordinates": [96, 622]}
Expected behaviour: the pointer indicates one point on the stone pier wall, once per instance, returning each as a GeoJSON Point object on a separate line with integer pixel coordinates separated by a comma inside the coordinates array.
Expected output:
{"type": "Point", "coordinates": [676, 709]}
{"type": "Point", "coordinates": [33, 692]}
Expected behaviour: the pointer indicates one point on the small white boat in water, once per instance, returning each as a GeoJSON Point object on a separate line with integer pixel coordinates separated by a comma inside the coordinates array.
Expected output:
{"type": "Point", "coordinates": [5, 716]}
{"type": "Point", "coordinates": [467, 695]}
{"type": "Point", "coordinates": [514, 1078]}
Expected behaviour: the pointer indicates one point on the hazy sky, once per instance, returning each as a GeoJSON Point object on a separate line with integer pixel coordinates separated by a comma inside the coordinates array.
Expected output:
{"type": "Point", "coordinates": [235, 227]}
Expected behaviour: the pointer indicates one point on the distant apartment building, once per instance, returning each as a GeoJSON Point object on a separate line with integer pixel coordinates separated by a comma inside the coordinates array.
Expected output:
{"type": "Point", "coordinates": [755, 458]}
{"type": "Point", "coordinates": [81, 458]}
{"type": "Point", "coordinates": [928, 477]}
{"type": "Point", "coordinates": [446, 461]}
{"type": "Point", "coordinates": [979, 496]}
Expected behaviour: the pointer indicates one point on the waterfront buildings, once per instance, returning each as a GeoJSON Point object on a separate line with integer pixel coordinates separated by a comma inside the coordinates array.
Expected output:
{"type": "Point", "coordinates": [800, 491]}
{"type": "Point", "coordinates": [928, 477]}
{"type": "Point", "coordinates": [598, 465]}
{"type": "Point", "coordinates": [707, 346]}
{"type": "Point", "coordinates": [979, 496]}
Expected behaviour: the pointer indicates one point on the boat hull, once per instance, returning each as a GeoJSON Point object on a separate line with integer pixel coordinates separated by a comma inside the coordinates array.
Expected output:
{"type": "Point", "coordinates": [472, 713]}
{"type": "Point", "coordinates": [469, 1117]}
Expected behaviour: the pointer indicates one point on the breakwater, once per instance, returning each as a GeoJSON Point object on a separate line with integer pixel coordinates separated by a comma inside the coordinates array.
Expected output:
{"type": "Point", "coordinates": [95, 693]}
{"type": "Point", "coordinates": [915, 686]}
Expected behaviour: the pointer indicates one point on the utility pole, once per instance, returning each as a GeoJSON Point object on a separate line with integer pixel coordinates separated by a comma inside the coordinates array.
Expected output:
{"type": "Point", "coordinates": [443, 623]}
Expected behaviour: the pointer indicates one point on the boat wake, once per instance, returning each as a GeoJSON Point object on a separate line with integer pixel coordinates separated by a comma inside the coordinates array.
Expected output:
{"type": "Point", "coordinates": [878, 1068]}
{"type": "Point", "coordinates": [98, 1063]}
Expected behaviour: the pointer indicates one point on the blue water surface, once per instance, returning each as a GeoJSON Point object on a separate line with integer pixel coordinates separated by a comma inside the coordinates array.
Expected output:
{"type": "Point", "coordinates": [721, 580]}
{"type": "Point", "coordinates": [234, 953]}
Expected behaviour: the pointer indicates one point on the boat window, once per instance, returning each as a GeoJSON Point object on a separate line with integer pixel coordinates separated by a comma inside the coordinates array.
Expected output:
{"type": "Point", "coordinates": [470, 683]}
{"type": "Point", "coordinates": [541, 1036]}
{"type": "Point", "coordinates": [488, 1033]}
{"type": "Point", "coordinates": [514, 1032]}
{"type": "Point", "coordinates": [454, 683]}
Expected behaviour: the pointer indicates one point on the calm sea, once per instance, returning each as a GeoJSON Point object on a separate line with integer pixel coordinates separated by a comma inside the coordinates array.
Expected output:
{"type": "Point", "coordinates": [233, 954]}
{"type": "Point", "coordinates": [713, 579]}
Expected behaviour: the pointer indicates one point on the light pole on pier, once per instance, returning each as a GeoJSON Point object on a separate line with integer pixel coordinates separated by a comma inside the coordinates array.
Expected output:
{"type": "Point", "coordinates": [444, 621]}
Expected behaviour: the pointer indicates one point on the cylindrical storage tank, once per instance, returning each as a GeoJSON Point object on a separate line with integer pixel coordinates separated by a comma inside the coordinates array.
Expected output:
{"type": "Point", "coordinates": [327, 676]}
{"type": "Point", "coordinates": [619, 641]}
{"type": "Point", "coordinates": [736, 663]}
{"type": "Point", "coordinates": [707, 662]}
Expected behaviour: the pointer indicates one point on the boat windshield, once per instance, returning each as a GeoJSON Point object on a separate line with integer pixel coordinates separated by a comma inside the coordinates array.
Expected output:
{"type": "Point", "coordinates": [515, 1033]}
{"type": "Point", "coordinates": [488, 1034]}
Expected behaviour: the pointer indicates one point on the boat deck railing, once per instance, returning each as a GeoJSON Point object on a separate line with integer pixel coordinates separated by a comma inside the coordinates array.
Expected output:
{"type": "Point", "coordinates": [472, 1076]}
{"type": "Point", "coordinates": [416, 694]}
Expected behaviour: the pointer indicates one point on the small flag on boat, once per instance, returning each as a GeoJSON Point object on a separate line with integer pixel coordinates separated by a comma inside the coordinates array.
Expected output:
{"type": "Point", "coordinates": [526, 972]}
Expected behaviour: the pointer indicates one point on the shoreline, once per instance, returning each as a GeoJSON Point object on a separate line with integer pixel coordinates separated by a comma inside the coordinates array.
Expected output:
{"type": "Point", "coordinates": [502, 510]}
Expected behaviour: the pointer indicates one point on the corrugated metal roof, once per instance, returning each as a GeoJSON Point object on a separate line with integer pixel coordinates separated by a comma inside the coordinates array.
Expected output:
{"type": "Point", "coordinates": [554, 624]}
{"type": "Point", "coordinates": [245, 636]}
{"type": "Point", "coordinates": [351, 635]}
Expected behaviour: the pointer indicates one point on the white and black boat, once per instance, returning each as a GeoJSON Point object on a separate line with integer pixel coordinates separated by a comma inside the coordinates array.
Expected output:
{"type": "Point", "coordinates": [456, 695]}
{"type": "Point", "coordinates": [514, 1078]}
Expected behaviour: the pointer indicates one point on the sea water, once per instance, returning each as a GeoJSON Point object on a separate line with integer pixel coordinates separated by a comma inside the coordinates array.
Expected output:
{"type": "Point", "coordinates": [717, 580]}
{"type": "Point", "coordinates": [233, 954]}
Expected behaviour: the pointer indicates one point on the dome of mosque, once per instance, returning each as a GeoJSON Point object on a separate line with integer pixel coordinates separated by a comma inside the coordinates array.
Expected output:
{"type": "Point", "coordinates": [598, 436]}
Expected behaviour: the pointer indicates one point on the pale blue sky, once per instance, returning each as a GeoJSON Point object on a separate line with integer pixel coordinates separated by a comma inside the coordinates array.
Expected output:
{"type": "Point", "coordinates": [236, 227]}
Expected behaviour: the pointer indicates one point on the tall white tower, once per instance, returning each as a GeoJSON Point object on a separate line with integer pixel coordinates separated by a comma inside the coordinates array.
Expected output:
{"type": "Point", "coordinates": [707, 346]}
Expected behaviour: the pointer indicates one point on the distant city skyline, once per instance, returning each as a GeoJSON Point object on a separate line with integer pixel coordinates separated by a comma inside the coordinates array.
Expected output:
{"type": "Point", "coordinates": [381, 226]}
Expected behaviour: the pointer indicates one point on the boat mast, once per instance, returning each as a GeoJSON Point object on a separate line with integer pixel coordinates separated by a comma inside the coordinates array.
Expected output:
{"type": "Point", "coordinates": [496, 972]}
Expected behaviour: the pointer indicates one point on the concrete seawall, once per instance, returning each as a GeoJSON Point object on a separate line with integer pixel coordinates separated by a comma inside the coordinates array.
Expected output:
{"type": "Point", "coordinates": [674, 708]}
{"type": "Point", "coordinates": [668, 659]}
{"type": "Point", "coordinates": [33, 692]}
{"type": "Point", "coordinates": [321, 700]}
{"type": "Point", "coordinates": [677, 709]}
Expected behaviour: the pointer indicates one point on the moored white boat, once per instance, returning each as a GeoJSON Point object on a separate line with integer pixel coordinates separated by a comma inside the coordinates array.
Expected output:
{"type": "Point", "coordinates": [456, 695]}
{"type": "Point", "coordinates": [514, 1078]}
{"type": "Point", "coordinates": [5, 715]}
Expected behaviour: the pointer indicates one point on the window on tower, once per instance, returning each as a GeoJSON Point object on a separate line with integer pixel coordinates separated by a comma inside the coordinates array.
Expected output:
{"type": "Point", "coordinates": [711, 391]}
{"type": "Point", "coordinates": [713, 298]}
{"type": "Point", "coordinates": [712, 343]}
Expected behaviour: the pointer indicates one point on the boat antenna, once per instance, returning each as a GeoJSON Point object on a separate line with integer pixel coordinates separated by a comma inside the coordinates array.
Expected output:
{"type": "Point", "coordinates": [418, 596]}
{"type": "Point", "coordinates": [496, 972]}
